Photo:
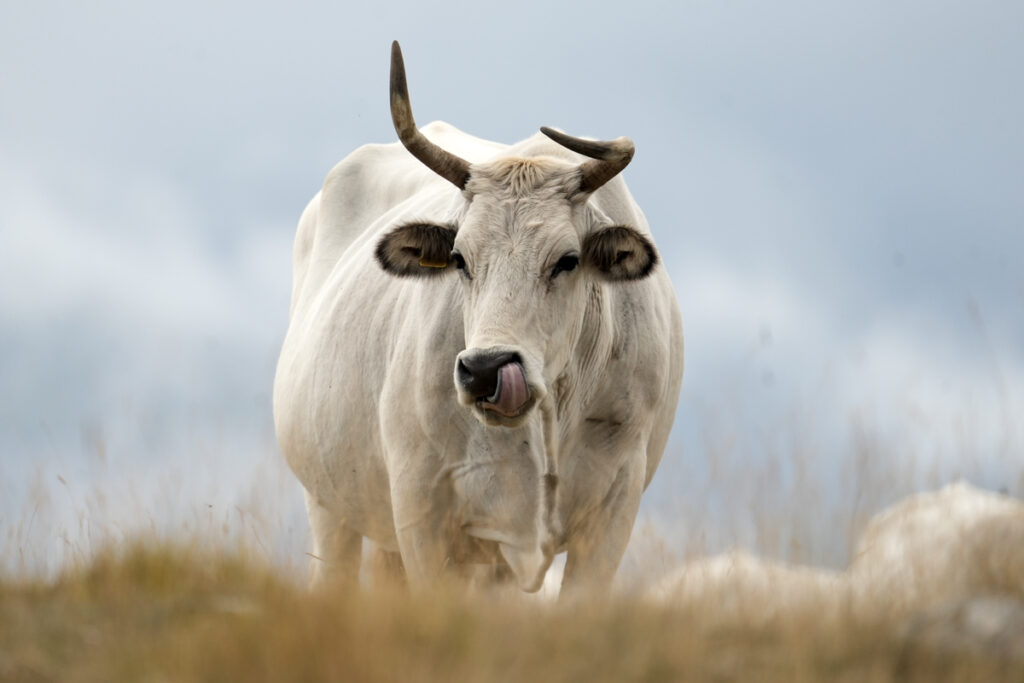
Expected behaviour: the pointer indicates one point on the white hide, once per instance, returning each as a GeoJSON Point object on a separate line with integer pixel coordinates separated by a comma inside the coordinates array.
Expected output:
{"type": "Point", "coordinates": [741, 587]}
{"type": "Point", "coordinates": [366, 409]}
{"type": "Point", "coordinates": [931, 548]}
{"type": "Point", "coordinates": [942, 545]}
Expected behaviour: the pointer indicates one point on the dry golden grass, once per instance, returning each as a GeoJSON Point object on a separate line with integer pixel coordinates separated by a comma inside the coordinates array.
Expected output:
{"type": "Point", "coordinates": [80, 602]}
{"type": "Point", "coordinates": [181, 613]}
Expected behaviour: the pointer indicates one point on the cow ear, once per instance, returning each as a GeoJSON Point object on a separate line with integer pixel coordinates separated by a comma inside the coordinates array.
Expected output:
{"type": "Point", "coordinates": [620, 253]}
{"type": "Point", "coordinates": [416, 250]}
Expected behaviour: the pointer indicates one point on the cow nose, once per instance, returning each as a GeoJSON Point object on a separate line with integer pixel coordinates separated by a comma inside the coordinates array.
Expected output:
{"type": "Point", "coordinates": [477, 371]}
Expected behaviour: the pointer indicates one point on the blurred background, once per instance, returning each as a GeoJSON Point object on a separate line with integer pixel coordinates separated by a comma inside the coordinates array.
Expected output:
{"type": "Point", "coordinates": [835, 189]}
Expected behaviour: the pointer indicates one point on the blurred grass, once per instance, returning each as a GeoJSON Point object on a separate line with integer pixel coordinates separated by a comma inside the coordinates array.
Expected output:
{"type": "Point", "coordinates": [180, 613]}
{"type": "Point", "coordinates": [174, 612]}
{"type": "Point", "coordinates": [211, 591]}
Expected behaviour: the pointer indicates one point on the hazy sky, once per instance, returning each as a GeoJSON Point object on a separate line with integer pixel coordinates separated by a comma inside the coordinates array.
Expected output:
{"type": "Point", "coordinates": [836, 190]}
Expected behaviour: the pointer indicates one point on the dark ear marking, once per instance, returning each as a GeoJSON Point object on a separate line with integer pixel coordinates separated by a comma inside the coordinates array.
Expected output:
{"type": "Point", "coordinates": [620, 253]}
{"type": "Point", "coordinates": [416, 249]}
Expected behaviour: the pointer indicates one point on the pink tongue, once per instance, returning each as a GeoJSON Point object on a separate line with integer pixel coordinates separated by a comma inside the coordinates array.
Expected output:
{"type": "Point", "coordinates": [512, 393]}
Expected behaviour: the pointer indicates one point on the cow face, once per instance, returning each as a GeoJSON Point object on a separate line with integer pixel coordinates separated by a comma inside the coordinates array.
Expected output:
{"type": "Point", "coordinates": [527, 247]}
{"type": "Point", "coordinates": [528, 251]}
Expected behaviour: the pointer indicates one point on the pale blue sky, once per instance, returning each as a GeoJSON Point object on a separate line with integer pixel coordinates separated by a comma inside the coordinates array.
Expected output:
{"type": "Point", "coordinates": [835, 189]}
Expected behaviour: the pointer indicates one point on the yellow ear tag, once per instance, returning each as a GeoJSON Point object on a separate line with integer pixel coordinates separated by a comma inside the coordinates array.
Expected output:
{"type": "Point", "coordinates": [433, 264]}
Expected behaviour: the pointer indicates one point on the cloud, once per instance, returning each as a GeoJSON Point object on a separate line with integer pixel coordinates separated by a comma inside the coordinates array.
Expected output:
{"type": "Point", "coordinates": [834, 190]}
{"type": "Point", "coordinates": [773, 369]}
{"type": "Point", "coordinates": [130, 302]}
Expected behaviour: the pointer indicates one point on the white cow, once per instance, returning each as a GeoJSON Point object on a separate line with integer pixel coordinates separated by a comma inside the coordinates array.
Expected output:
{"type": "Point", "coordinates": [929, 549]}
{"type": "Point", "coordinates": [950, 544]}
{"type": "Point", "coordinates": [738, 587]}
{"type": "Point", "coordinates": [484, 355]}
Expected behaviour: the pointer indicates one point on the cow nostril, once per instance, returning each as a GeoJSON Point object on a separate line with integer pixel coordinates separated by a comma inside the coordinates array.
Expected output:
{"type": "Point", "coordinates": [464, 374]}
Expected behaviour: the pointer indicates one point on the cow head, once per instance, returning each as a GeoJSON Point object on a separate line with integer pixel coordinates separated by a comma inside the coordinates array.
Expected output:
{"type": "Point", "coordinates": [527, 247]}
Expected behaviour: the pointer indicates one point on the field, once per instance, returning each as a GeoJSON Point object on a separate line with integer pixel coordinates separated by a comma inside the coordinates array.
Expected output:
{"type": "Point", "coordinates": [166, 588]}
{"type": "Point", "coordinates": [178, 613]}
{"type": "Point", "coordinates": [207, 611]}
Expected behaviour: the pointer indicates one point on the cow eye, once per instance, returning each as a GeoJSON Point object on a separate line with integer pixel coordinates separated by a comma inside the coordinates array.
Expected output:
{"type": "Point", "coordinates": [565, 264]}
{"type": "Point", "coordinates": [460, 263]}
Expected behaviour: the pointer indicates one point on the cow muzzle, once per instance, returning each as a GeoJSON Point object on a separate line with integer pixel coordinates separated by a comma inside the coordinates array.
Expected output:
{"type": "Point", "coordinates": [494, 381]}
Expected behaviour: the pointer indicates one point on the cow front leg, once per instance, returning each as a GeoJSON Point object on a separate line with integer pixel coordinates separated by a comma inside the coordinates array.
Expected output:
{"type": "Point", "coordinates": [599, 542]}
{"type": "Point", "coordinates": [337, 550]}
{"type": "Point", "coordinates": [424, 531]}
{"type": "Point", "coordinates": [386, 569]}
{"type": "Point", "coordinates": [424, 549]}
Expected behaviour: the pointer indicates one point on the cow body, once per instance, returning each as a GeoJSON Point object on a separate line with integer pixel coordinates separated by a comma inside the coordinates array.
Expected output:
{"type": "Point", "coordinates": [946, 545]}
{"type": "Point", "coordinates": [389, 447]}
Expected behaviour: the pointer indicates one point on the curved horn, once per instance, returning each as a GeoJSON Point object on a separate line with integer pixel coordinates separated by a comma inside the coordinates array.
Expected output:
{"type": "Point", "coordinates": [609, 158]}
{"type": "Point", "coordinates": [445, 164]}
